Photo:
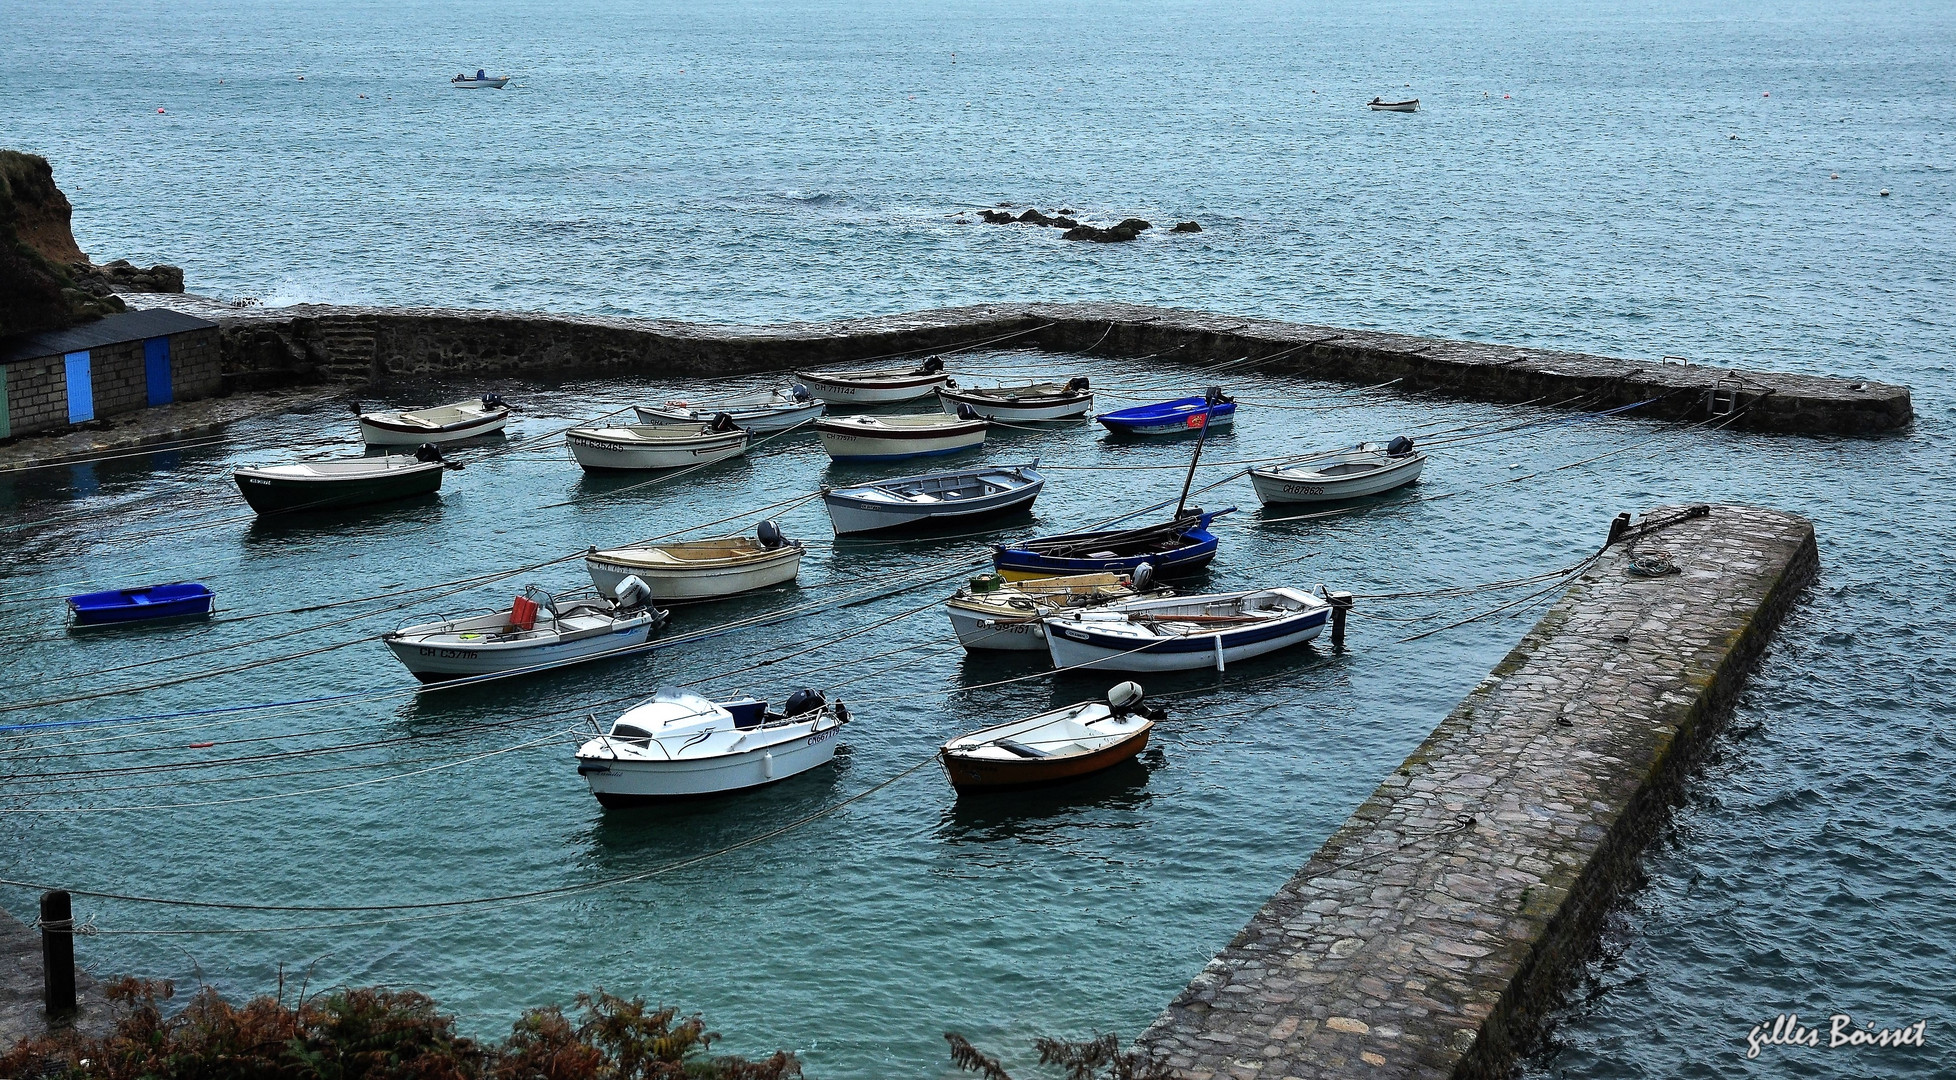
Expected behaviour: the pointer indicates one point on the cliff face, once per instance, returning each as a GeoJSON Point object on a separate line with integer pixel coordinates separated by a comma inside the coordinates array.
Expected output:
{"type": "Point", "coordinates": [46, 281]}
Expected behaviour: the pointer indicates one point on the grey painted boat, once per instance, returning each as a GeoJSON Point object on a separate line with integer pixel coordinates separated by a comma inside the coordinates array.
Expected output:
{"type": "Point", "coordinates": [933, 498]}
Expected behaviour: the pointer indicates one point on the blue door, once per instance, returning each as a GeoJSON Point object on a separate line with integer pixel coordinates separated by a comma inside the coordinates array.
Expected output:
{"type": "Point", "coordinates": [156, 370]}
{"type": "Point", "coordinates": [81, 388]}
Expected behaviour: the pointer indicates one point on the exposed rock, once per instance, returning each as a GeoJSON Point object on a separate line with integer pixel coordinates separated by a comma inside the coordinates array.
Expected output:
{"type": "Point", "coordinates": [997, 217]}
{"type": "Point", "coordinates": [1063, 222]}
{"type": "Point", "coordinates": [36, 246]}
{"type": "Point", "coordinates": [1034, 217]}
{"type": "Point", "coordinates": [1134, 223]}
{"type": "Point", "coordinates": [1118, 234]}
{"type": "Point", "coordinates": [1187, 226]}
{"type": "Point", "coordinates": [124, 276]}
{"type": "Point", "coordinates": [1068, 210]}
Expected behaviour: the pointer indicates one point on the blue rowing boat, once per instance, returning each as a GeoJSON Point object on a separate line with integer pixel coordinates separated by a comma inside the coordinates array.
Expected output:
{"type": "Point", "coordinates": [141, 605]}
{"type": "Point", "coordinates": [1183, 416]}
{"type": "Point", "coordinates": [1181, 546]}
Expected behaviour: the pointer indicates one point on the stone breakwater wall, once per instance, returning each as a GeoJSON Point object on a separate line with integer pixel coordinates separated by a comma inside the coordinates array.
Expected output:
{"type": "Point", "coordinates": [1433, 930]}
{"type": "Point", "coordinates": [267, 347]}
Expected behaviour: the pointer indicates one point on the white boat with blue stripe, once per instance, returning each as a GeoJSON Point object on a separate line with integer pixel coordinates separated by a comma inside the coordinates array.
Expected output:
{"type": "Point", "coordinates": [1183, 633]}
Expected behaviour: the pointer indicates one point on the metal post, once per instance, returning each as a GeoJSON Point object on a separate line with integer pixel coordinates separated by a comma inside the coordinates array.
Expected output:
{"type": "Point", "coordinates": [1618, 527]}
{"type": "Point", "coordinates": [58, 955]}
{"type": "Point", "coordinates": [1341, 604]}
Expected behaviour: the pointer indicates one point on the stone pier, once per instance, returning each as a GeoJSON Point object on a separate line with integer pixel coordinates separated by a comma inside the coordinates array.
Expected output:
{"type": "Point", "coordinates": [1432, 931]}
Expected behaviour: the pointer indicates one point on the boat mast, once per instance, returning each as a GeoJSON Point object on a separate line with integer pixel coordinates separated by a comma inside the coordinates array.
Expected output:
{"type": "Point", "coordinates": [1210, 399]}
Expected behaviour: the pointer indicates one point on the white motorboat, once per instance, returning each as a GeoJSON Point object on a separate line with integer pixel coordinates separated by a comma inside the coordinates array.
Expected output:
{"type": "Point", "coordinates": [538, 632]}
{"type": "Point", "coordinates": [680, 745]}
{"type": "Point", "coordinates": [882, 386]}
{"type": "Point", "coordinates": [444, 423]}
{"type": "Point", "coordinates": [960, 497]}
{"type": "Point", "coordinates": [894, 438]}
{"type": "Point", "coordinates": [1034, 401]}
{"type": "Point", "coordinates": [992, 613]}
{"type": "Point", "coordinates": [1380, 105]}
{"type": "Point", "coordinates": [689, 571]}
{"type": "Point", "coordinates": [656, 446]}
{"type": "Point", "coordinates": [762, 413]}
{"type": "Point", "coordinates": [1365, 469]}
{"type": "Point", "coordinates": [1185, 632]}
{"type": "Point", "coordinates": [1052, 747]}
{"type": "Point", "coordinates": [481, 80]}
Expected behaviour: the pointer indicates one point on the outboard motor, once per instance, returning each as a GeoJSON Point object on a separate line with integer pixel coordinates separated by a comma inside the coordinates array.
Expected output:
{"type": "Point", "coordinates": [427, 451]}
{"type": "Point", "coordinates": [1215, 396]}
{"type": "Point", "coordinates": [801, 393]}
{"type": "Point", "coordinates": [1143, 578]}
{"type": "Point", "coordinates": [632, 594]}
{"type": "Point", "coordinates": [770, 535]}
{"type": "Point", "coordinates": [966, 412]}
{"type": "Point", "coordinates": [494, 401]}
{"type": "Point", "coordinates": [1400, 446]}
{"type": "Point", "coordinates": [722, 422]}
{"type": "Point", "coordinates": [1125, 699]}
{"type": "Point", "coordinates": [803, 701]}
{"type": "Point", "coordinates": [1076, 384]}
{"type": "Point", "coordinates": [931, 366]}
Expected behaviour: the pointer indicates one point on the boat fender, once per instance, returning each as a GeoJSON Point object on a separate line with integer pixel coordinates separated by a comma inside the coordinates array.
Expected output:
{"type": "Point", "coordinates": [1124, 697]}
{"type": "Point", "coordinates": [494, 401]}
{"type": "Point", "coordinates": [804, 700]}
{"type": "Point", "coordinates": [770, 535]}
{"type": "Point", "coordinates": [931, 366]}
{"type": "Point", "coordinates": [632, 593]}
{"type": "Point", "coordinates": [427, 451]}
{"type": "Point", "coordinates": [801, 393]}
{"type": "Point", "coordinates": [1400, 446]}
{"type": "Point", "coordinates": [1077, 384]}
{"type": "Point", "coordinates": [966, 412]}
{"type": "Point", "coordinates": [767, 765]}
{"type": "Point", "coordinates": [722, 422]}
{"type": "Point", "coordinates": [1144, 577]}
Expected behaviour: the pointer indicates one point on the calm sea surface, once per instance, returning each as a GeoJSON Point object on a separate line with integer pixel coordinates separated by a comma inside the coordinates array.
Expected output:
{"type": "Point", "coordinates": [1695, 179]}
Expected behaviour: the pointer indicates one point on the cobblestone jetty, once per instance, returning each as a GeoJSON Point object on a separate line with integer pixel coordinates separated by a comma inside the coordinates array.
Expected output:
{"type": "Point", "coordinates": [277, 346]}
{"type": "Point", "coordinates": [1429, 934]}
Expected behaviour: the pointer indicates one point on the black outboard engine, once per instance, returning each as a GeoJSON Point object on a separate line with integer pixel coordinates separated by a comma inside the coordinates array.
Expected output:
{"type": "Point", "coordinates": [966, 412]}
{"type": "Point", "coordinates": [494, 401]}
{"type": "Point", "coordinates": [801, 393]}
{"type": "Point", "coordinates": [1143, 578]}
{"type": "Point", "coordinates": [722, 422]}
{"type": "Point", "coordinates": [1215, 396]}
{"type": "Point", "coordinates": [427, 451]}
{"type": "Point", "coordinates": [1400, 446]}
{"type": "Point", "coordinates": [770, 535]}
{"type": "Point", "coordinates": [931, 366]}
{"type": "Point", "coordinates": [1076, 384]}
{"type": "Point", "coordinates": [803, 701]}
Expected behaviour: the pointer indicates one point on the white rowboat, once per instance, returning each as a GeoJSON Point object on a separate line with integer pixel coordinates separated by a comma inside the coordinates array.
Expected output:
{"type": "Point", "coordinates": [1004, 616]}
{"type": "Point", "coordinates": [884, 386]}
{"type": "Point", "coordinates": [1185, 632]}
{"type": "Point", "coordinates": [1036, 401]}
{"type": "Point", "coordinates": [654, 446]}
{"type": "Point", "coordinates": [537, 633]}
{"type": "Point", "coordinates": [894, 438]}
{"type": "Point", "coordinates": [690, 571]}
{"type": "Point", "coordinates": [1394, 106]}
{"type": "Point", "coordinates": [762, 414]}
{"type": "Point", "coordinates": [443, 423]}
{"type": "Point", "coordinates": [680, 745]}
{"type": "Point", "coordinates": [961, 496]}
{"type": "Point", "coordinates": [1365, 469]}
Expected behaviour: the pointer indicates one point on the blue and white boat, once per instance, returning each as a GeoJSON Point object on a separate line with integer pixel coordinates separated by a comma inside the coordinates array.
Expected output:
{"type": "Point", "coordinates": [1183, 633]}
{"type": "Point", "coordinates": [1177, 547]}
{"type": "Point", "coordinates": [1183, 416]}
{"type": "Point", "coordinates": [173, 601]}
{"type": "Point", "coordinates": [959, 497]}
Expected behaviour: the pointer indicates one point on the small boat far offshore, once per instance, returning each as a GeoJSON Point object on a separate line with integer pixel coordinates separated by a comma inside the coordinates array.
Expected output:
{"type": "Point", "coordinates": [480, 80]}
{"type": "Point", "coordinates": [1052, 747]}
{"type": "Point", "coordinates": [960, 496]}
{"type": "Point", "coordinates": [1409, 105]}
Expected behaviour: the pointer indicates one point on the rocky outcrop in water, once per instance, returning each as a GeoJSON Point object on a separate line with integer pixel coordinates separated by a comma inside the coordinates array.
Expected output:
{"type": "Point", "coordinates": [1126, 230]}
{"type": "Point", "coordinates": [46, 281]}
{"type": "Point", "coordinates": [1187, 226]}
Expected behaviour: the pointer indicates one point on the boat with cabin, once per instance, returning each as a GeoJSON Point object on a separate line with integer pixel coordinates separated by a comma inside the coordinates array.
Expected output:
{"type": "Point", "coordinates": [762, 413]}
{"type": "Point", "coordinates": [443, 423]}
{"type": "Point", "coordinates": [1365, 469]}
{"type": "Point", "coordinates": [864, 438]}
{"type": "Point", "coordinates": [341, 482]}
{"type": "Point", "coordinates": [1021, 404]}
{"type": "Point", "coordinates": [956, 497]}
{"type": "Point", "coordinates": [681, 745]}
{"type": "Point", "coordinates": [1052, 747]}
{"type": "Point", "coordinates": [481, 80]}
{"type": "Point", "coordinates": [1183, 633]}
{"type": "Point", "coordinates": [645, 447]}
{"type": "Point", "coordinates": [879, 386]}
{"type": "Point", "coordinates": [690, 571]}
{"type": "Point", "coordinates": [538, 632]}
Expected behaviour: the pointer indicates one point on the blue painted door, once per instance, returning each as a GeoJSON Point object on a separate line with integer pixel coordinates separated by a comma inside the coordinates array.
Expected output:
{"type": "Point", "coordinates": [81, 388]}
{"type": "Point", "coordinates": [156, 370]}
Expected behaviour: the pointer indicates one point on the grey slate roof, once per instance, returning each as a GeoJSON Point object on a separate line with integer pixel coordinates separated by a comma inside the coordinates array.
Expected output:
{"type": "Point", "coordinates": [114, 329]}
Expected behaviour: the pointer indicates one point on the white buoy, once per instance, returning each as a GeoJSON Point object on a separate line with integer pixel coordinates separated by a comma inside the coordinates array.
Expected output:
{"type": "Point", "coordinates": [1884, 193]}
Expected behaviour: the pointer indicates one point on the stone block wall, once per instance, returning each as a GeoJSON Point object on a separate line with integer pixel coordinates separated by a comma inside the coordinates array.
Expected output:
{"type": "Point", "coordinates": [116, 372]}
{"type": "Point", "coordinates": [37, 395]}
{"type": "Point", "coordinates": [196, 364]}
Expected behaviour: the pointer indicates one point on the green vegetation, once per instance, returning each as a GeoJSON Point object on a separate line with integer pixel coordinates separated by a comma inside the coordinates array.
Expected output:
{"type": "Point", "coordinates": [1096, 1059]}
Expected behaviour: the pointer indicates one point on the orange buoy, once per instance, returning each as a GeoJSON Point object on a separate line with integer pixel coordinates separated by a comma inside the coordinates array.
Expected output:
{"type": "Point", "coordinates": [159, 112]}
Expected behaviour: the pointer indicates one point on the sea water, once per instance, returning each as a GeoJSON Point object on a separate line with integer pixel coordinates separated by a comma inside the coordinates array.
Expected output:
{"type": "Point", "coordinates": [1701, 180]}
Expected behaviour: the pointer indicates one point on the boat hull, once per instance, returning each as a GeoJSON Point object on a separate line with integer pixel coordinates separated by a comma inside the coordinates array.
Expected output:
{"type": "Point", "coordinates": [886, 391]}
{"type": "Point", "coordinates": [974, 776]}
{"type": "Point", "coordinates": [1185, 417]}
{"type": "Point", "coordinates": [647, 783]}
{"type": "Point", "coordinates": [687, 585]}
{"type": "Point", "coordinates": [851, 515]}
{"type": "Point", "coordinates": [979, 631]}
{"type": "Point", "coordinates": [601, 455]}
{"type": "Point", "coordinates": [269, 493]}
{"type": "Point", "coordinates": [849, 446]}
{"type": "Point", "coordinates": [1070, 644]}
{"type": "Point", "coordinates": [1018, 564]}
{"type": "Point", "coordinates": [1056, 407]}
{"type": "Point", "coordinates": [760, 421]}
{"type": "Point", "coordinates": [116, 606]}
{"type": "Point", "coordinates": [442, 662]}
{"type": "Point", "coordinates": [478, 84]}
{"type": "Point", "coordinates": [1273, 487]}
{"type": "Point", "coordinates": [376, 431]}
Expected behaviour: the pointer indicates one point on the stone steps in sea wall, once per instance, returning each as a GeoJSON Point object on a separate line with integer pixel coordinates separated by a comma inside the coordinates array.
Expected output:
{"type": "Point", "coordinates": [378, 346]}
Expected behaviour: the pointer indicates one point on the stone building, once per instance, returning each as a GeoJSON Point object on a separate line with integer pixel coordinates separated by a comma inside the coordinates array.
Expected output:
{"type": "Point", "coordinates": [118, 364]}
